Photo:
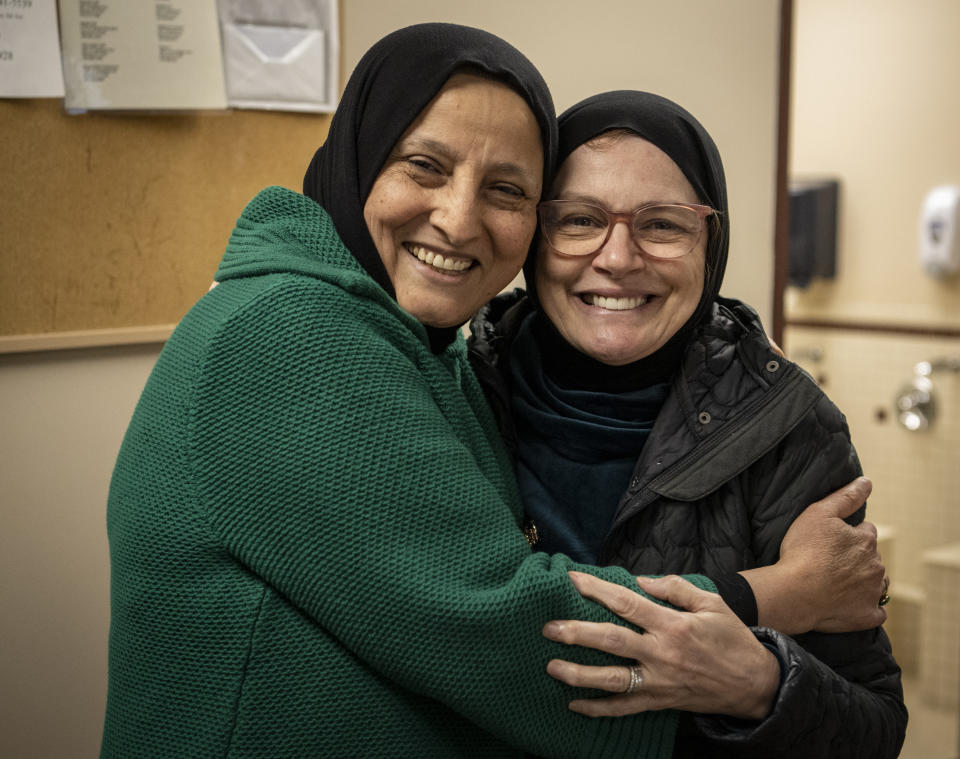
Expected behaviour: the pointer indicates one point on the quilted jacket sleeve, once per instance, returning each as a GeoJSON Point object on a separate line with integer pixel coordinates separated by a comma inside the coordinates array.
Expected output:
{"type": "Point", "coordinates": [841, 695]}
{"type": "Point", "coordinates": [852, 708]}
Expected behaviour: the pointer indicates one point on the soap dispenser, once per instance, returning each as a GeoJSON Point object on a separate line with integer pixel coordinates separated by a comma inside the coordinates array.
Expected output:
{"type": "Point", "coordinates": [940, 231]}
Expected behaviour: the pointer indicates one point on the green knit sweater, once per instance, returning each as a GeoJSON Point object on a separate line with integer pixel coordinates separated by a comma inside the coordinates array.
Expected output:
{"type": "Point", "coordinates": [314, 541]}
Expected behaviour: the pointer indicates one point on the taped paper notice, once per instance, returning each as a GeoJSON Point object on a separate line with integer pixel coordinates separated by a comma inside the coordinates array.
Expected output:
{"type": "Point", "coordinates": [29, 49]}
{"type": "Point", "coordinates": [142, 54]}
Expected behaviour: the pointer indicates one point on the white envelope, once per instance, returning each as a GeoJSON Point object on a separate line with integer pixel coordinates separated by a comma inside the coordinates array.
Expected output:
{"type": "Point", "coordinates": [277, 67]}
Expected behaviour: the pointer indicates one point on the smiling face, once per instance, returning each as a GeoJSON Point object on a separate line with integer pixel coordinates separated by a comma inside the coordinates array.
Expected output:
{"type": "Point", "coordinates": [453, 209]}
{"type": "Point", "coordinates": [619, 305]}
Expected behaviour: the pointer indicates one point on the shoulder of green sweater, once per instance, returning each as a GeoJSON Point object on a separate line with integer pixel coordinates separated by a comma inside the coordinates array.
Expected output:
{"type": "Point", "coordinates": [284, 231]}
{"type": "Point", "coordinates": [285, 242]}
{"type": "Point", "coordinates": [313, 317]}
{"type": "Point", "coordinates": [295, 304]}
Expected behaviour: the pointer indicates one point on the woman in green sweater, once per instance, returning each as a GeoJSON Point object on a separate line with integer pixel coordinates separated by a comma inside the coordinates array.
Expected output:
{"type": "Point", "coordinates": [314, 530]}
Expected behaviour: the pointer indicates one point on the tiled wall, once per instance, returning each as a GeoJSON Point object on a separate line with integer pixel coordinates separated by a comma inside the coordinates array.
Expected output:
{"type": "Point", "coordinates": [916, 496]}
{"type": "Point", "coordinates": [940, 628]}
{"type": "Point", "coordinates": [916, 475]}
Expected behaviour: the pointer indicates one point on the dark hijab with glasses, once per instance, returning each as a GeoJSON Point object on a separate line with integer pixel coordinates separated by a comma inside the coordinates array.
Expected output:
{"type": "Point", "coordinates": [578, 423]}
{"type": "Point", "coordinates": [678, 134]}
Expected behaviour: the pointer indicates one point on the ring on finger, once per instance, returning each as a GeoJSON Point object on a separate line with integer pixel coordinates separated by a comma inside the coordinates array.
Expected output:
{"type": "Point", "coordinates": [636, 678]}
{"type": "Point", "coordinates": [885, 596]}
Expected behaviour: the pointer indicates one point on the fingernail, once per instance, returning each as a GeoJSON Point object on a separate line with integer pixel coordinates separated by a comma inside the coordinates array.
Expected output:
{"type": "Point", "coordinates": [575, 579]}
{"type": "Point", "coordinates": [553, 630]}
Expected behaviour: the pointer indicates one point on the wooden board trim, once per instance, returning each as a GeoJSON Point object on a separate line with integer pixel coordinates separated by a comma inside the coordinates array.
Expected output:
{"type": "Point", "coordinates": [89, 338]}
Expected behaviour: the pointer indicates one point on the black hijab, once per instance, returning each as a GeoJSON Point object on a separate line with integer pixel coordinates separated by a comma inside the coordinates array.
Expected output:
{"type": "Point", "coordinates": [678, 134]}
{"type": "Point", "coordinates": [393, 82]}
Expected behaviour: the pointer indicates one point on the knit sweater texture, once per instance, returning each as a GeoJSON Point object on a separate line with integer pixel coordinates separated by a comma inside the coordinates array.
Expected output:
{"type": "Point", "coordinates": [314, 536]}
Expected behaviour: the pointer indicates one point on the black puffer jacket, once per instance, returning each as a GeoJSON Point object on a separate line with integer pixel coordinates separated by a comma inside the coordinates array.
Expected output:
{"type": "Point", "coordinates": [744, 442]}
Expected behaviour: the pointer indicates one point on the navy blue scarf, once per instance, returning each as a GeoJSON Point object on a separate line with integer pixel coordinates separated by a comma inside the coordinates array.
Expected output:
{"type": "Point", "coordinates": [577, 447]}
{"type": "Point", "coordinates": [582, 424]}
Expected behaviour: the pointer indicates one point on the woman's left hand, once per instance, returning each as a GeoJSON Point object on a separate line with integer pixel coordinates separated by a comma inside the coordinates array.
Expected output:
{"type": "Point", "coordinates": [703, 659]}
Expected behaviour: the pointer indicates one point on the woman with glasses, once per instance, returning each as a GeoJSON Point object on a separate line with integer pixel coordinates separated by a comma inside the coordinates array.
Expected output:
{"type": "Point", "coordinates": [654, 427]}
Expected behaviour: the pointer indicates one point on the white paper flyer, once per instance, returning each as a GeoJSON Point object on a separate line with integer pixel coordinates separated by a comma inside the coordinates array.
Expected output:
{"type": "Point", "coordinates": [141, 54]}
{"type": "Point", "coordinates": [29, 49]}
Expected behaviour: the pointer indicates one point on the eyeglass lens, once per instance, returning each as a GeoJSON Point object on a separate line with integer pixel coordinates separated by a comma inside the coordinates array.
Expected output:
{"type": "Point", "coordinates": [578, 229]}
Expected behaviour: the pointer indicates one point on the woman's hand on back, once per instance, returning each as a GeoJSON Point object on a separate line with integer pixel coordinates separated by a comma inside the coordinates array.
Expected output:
{"type": "Point", "coordinates": [703, 659]}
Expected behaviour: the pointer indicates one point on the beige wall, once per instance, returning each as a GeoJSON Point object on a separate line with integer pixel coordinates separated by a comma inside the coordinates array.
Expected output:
{"type": "Point", "coordinates": [62, 415]}
{"type": "Point", "coordinates": [876, 102]}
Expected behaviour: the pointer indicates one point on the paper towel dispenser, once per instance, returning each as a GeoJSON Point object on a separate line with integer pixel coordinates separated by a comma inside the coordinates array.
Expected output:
{"type": "Point", "coordinates": [813, 230]}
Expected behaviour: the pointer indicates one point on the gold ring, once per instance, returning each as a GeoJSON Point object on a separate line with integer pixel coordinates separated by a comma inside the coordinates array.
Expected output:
{"type": "Point", "coordinates": [885, 597]}
{"type": "Point", "coordinates": [636, 678]}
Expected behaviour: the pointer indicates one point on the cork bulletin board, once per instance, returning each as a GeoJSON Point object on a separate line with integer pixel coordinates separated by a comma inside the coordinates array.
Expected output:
{"type": "Point", "coordinates": [112, 225]}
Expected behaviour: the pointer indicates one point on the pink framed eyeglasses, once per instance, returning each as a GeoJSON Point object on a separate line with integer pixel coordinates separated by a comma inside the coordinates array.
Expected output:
{"type": "Point", "coordinates": [661, 230]}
